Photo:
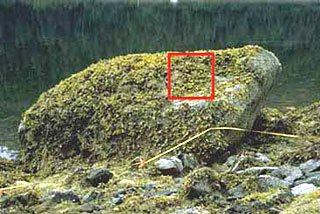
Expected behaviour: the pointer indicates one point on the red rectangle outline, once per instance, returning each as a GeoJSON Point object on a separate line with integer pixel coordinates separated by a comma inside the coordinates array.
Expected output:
{"type": "Point", "coordinates": [169, 55]}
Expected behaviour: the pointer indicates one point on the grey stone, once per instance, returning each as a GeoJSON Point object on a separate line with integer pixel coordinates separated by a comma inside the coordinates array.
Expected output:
{"type": "Point", "coordinates": [289, 173]}
{"type": "Point", "coordinates": [312, 174]}
{"type": "Point", "coordinates": [120, 193]}
{"type": "Point", "coordinates": [98, 176]}
{"type": "Point", "coordinates": [262, 157]}
{"type": "Point", "coordinates": [303, 189]}
{"type": "Point", "coordinates": [257, 159]}
{"type": "Point", "coordinates": [270, 181]}
{"type": "Point", "coordinates": [193, 210]}
{"type": "Point", "coordinates": [194, 104]}
{"type": "Point", "coordinates": [116, 200]}
{"type": "Point", "coordinates": [149, 186]}
{"type": "Point", "coordinates": [172, 166]}
{"type": "Point", "coordinates": [313, 179]}
{"type": "Point", "coordinates": [164, 193]}
{"type": "Point", "coordinates": [178, 181]}
{"type": "Point", "coordinates": [60, 196]}
{"type": "Point", "coordinates": [258, 170]}
{"type": "Point", "coordinates": [91, 196]}
{"type": "Point", "coordinates": [310, 165]}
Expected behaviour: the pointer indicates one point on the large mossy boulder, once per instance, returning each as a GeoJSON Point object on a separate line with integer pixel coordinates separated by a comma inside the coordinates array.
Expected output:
{"type": "Point", "coordinates": [119, 107]}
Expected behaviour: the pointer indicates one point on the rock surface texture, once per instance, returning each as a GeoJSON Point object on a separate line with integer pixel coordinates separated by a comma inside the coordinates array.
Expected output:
{"type": "Point", "coordinates": [119, 107]}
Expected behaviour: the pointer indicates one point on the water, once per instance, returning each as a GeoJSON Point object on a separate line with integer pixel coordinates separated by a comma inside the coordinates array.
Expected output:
{"type": "Point", "coordinates": [43, 42]}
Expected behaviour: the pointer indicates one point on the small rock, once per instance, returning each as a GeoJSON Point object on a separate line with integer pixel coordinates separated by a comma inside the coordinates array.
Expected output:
{"type": "Point", "coordinates": [242, 161]}
{"type": "Point", "coordinates": [172, 166]}
{"type": "Point", "coordinates": [193, 210]}
{"type": "Point", "coordinates": [178, 181]}
{"type": "Point", "coordinates": [116, 200]}
{"type": "Point", "coordinates": [303, 189]}
{"type": "Point", "coordinates": [312, 179]}
{"type": "Point", "coordinates": [257, 170]}
{"type": "Point", "coordinates": [312, 174]}
{"type": "Point", "coordinates": [164, 193]}
{"type": "Point", "coordinates": [127, 183]}
{"type": "Point", "coordinates": [149, 187]}
{"type": "Point", "coordinates": [120, 193]}
{"type": "Point", "coordinates": [91, 196]}
{"type": "Point", "coordinates": [262, 157]}
{"type": "Point", "coordinates": [194, 104]}
{"type": "Point", "coordinates": [89, 208]}
{"type": "Point", "coordinates": [98, 176]}
{"type": "Point", "coordinates": [60, 196]}
{"type": "Point", "coordinates": [310, 166]}
{"type": "Point", "coordinates": [289, 173]}
{"type": "Point", "coordinates": [160, 193]}
{"type": "Point", "coordinates": [189, 161]}
{"type": "Point", "coordinates": [270, 181]}
{"type": "Point", "coordinates": [236, 192]}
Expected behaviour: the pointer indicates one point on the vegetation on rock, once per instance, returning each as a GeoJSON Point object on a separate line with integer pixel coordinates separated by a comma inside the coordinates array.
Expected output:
{"type": "Point", "coordinates": [119, 107]}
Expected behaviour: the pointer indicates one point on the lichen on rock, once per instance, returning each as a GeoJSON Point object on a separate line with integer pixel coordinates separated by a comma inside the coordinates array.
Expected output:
{"type": "Point", "coordinates": [119, 107]}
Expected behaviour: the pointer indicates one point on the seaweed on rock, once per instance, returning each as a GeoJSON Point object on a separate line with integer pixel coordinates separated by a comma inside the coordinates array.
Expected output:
{"type": "Point", "coordinates": [119, 108]}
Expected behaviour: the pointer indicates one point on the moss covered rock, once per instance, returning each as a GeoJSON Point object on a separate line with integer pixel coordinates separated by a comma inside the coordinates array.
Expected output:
{"type": "Point", "coordinates": [119, 107]}
{"type": "Point", "coordinates": [201, 182]}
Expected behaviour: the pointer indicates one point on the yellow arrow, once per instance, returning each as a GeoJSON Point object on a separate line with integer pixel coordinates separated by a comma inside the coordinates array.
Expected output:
{"type": "Point", "coordinates": [142, 163]}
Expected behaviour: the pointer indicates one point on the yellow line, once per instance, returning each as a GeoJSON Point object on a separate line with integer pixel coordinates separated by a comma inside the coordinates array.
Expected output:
{"type": "Point", "coordinates": [192, 138]}
{"type": "Point", "coordinates": [225, 128]}
{"type": "Point", "coordinates": [14, 187]}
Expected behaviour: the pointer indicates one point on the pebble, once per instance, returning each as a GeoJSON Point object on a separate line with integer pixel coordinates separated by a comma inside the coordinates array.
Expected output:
{"type": "Point", "coordinates": [310, 166]}
{"type": "Point", "coordinates": [91, 196]}
{"type": "Point", "coordinates": [126, 183]}
{"type": "Point", "coordinates": [172, 166]}
{"type": "Point", "coordinates": [120, 193]}
{"type": "Point", "coordinates": [236, 192]}
{"type": "Point", "coordinates": [164, 193]}
{"type": "Point", "coordinates": [116, 200]}
{"type": "Point", "coordinates": [313, 179]}
{"type": "Point", "coordinates": [270, 181]}
{"type": "Point", "coordinates": [291, 173]}
{"type": "Point", "coordinates": [98, 176]}
{"type": "Point", "coordinates": [257, 170]}
{"type": "Point", "coordinates": [304, 188]}
{"type": "Point", "coordinates": [193, 210]}
{"type": "Point", "coordinates": [149, 187]}
{"type": "Point", "coordinates": [60, 196]}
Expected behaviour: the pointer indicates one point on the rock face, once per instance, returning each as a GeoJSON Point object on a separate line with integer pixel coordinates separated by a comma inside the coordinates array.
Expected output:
{"type": "Point", "coordinates": [119, 107]}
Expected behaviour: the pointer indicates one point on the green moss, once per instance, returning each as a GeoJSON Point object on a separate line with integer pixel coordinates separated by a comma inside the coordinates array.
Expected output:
{"type": "Point", "coordinates": [304, 204]}
{"type": "Point", "coordinates": [201, 182]}
{"type": "Point", "coordinates": [267, 198]}
{"type": "Point", "coordinates": [118, 108]}
{"type": "Point", "coordinates": [305, 122]}
{"type": "Point", "coordinates": [10, 172]}
{"type": "Point", "coordinates": [248, 182]}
